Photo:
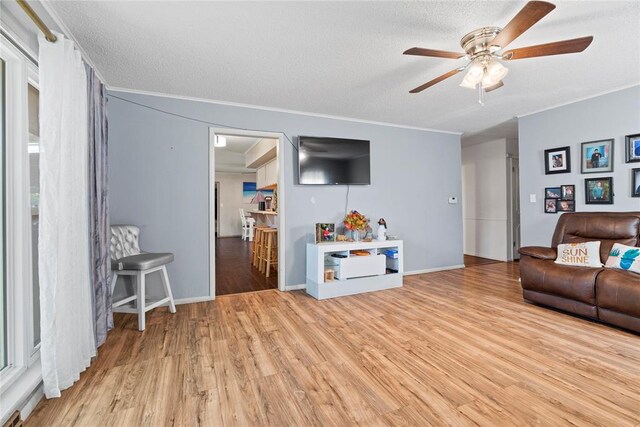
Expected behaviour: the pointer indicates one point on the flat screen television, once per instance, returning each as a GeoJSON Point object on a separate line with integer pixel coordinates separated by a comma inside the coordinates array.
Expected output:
{"type": "Point", "coordinates": [333, 161]}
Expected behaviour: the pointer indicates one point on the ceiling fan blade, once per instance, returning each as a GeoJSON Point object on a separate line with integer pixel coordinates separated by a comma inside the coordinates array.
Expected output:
{"type": "Point", "coordinates": [494, 87]}
{"type": "Point", "coordinates": [420, 51]}
{"type": "Point", "coordinates": [531, 13]}
{"type": "Point", "coordinates": [547, 49]}
{"type": "Point", "coordinates": [436, 80]}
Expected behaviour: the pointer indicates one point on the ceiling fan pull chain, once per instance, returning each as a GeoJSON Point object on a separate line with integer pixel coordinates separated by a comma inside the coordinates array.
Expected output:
{"type": "Point", "coordinates": [480, 94]}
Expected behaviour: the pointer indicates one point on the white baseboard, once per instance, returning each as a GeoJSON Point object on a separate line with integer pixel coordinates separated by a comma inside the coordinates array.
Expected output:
{"type": "Point", "coordinates": [32, 402]}
{"type": "Point", "coordinates": [433, 270]}
{"type": "Point", "coordinates": [192, 300]}
{"type": "Point", "coordinates": [295, 287]}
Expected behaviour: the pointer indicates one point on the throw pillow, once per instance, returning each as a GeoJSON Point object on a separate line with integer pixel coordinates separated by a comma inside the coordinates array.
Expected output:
{"type": "Point", "coordinates": [624, 257]}
{"type": "Point", "coordinates": [585, 254]}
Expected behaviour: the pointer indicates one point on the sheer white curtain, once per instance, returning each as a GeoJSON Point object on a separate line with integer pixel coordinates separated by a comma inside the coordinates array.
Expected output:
{"type": "Point", "coordinates": [67, 328]}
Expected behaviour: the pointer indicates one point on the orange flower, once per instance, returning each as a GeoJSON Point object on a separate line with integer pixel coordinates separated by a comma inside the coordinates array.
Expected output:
{"type": "Point", "coordinates": [354, 220]}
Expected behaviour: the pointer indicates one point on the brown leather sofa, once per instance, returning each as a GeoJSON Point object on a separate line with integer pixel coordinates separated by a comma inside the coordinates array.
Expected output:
{"type": "Point", "coordinates": [608, 295]}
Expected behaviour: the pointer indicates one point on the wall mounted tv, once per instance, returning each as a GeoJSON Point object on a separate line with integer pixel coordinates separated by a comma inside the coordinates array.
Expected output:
{"type": "Point", "coordinates": [333, 161]}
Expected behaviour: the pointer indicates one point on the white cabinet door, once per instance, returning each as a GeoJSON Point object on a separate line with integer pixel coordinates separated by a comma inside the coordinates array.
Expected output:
{"type": "Point", "coordinates": [271, 173]}
{"type": "Point", "coordinates": [261, 178]}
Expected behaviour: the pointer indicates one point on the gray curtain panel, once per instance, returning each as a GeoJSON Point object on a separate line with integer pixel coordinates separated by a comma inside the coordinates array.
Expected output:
{"type": "Point", "coordinates": [99, 207]}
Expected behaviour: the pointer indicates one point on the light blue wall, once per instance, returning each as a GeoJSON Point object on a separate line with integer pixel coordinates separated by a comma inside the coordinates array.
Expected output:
{"type": "Point", "coordinates": [613, 115]}
{"type": "Point", "coordinates": [158, 172]}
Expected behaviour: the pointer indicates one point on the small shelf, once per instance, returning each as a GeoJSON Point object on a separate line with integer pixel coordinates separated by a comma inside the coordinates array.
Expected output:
{"type": "Point", "coordinates": [381, 268]}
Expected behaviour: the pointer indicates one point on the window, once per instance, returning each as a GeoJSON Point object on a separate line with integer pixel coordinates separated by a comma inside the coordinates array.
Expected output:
{"type": "Point", "coordinates": [33, 103]}
{"type": "Point", "coordinates": [19, 220]}
{"type": "Point", "coordinates": [3, 284]}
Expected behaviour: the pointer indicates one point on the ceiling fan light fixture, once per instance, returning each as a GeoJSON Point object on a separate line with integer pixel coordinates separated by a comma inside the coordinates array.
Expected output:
{"type": "Point", "coordinates": [476, 71]}
{"type": "Point", "coordinates": [485, 46]}
{"type": "Point", "coordinates": [469, 82]}
{"type": "Point", "coordinates": [496, 70]}
{"type": "Point", "coordinates": [488, 81]}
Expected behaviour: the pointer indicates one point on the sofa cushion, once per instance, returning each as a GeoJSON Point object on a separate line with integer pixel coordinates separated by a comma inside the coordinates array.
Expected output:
{"type": "Point", "coordinates": [566, 281]}
{"type": "Point", "coordinates": [538, 252]}
{"type": "Point", "coordinates": [586, 254]}
{"type": "Point", "coordinates": [624, 258]}
{"type": "Point", "coordinates": [609, 228]}
{"type": "Point", "coordinates": [564, 304]}
{"type": "Point", "coordinates": [619, 291]}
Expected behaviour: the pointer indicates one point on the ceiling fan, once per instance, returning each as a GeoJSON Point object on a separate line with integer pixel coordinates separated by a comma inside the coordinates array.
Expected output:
{"type": "Point", "coordinates": [484, 50]}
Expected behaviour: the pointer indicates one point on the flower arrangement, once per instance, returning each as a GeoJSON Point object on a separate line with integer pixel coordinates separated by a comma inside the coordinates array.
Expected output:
{"type": "Point", "coordinates": [356, 221]}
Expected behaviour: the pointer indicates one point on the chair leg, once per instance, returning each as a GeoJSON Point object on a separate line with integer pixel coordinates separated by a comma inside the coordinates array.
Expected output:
{"type": "Point", "coordinates": [267, 257]}
{"type": "Point", "coordinates": [140, 282]}
{"type": "Point", "coordinates": [114, 279]}
{"type": "Point", "coordinates": [167, 289]}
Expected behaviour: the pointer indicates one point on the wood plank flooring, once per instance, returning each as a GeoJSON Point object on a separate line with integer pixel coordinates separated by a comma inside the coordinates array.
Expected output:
{"type": "Point", "coordinates": [458, 348]}
{"type": "Point", "coordinates": [234, 272]}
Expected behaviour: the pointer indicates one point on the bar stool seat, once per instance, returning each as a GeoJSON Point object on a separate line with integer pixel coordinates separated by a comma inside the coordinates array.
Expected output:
{"type": "Point", "coordinates": [143, 261]}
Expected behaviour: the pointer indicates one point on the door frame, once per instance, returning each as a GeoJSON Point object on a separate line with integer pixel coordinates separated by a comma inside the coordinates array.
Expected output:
{"type": "Point", "coordinates": [213, 132]}
{"type": "Point", "coordinates": [216, 190]}
{"type": "Point", "coordinates": [513, 195]}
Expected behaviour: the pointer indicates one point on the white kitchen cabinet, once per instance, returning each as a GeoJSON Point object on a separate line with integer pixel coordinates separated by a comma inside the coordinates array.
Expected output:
{"type": "Point", "coordinates": [267, 175]}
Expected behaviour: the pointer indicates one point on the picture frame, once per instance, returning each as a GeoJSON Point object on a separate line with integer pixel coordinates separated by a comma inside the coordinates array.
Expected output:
{"type": "Point", "coordinates": [551, 205]}
{"type": "Point", "coordinates": [597, 156]}
{"type": "Point", "coordinates": [325, 232]}
{"type": "Point", "coordinates": [598, 191]}
{"type": "Point", "coordinates": [632, 144]}
{"type": "Point", "coordinates": [552, 193]}
{"type": "Point", "coordinates": [568, 192]}
{"type": "Point", "coordinates": [566, 206]}
{"type": "Point", "coordinates": [635, 182]}
{"type": "Point", "coordinates": [557, 160]}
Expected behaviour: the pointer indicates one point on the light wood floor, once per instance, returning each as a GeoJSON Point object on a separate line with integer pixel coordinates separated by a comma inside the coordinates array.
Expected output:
{"type": "Point", "coordinates": [449, 348]}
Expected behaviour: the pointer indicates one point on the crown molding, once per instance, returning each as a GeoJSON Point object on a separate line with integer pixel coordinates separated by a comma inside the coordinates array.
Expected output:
{"type": "Point", "coordinates": [277, 110]}
{"type": "Point", "coordinates": [579, 100]}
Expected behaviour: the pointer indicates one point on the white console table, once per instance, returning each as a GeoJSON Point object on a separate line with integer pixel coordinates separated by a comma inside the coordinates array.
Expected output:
{"type": "Point", "coordinates": [353, 274]}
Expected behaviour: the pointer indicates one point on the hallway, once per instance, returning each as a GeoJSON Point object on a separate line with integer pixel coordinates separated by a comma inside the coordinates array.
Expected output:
{"type": "Point", "coordinates": [234, 272]}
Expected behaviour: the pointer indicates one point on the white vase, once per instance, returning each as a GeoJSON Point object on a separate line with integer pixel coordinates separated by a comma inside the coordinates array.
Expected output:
{"type": "Point", "coordinates": [382, 233]}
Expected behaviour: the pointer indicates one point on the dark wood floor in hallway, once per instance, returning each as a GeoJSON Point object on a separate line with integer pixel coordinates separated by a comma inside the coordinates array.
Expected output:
{"type": "Point", "coordinates": [234, 272]}
{"type": "Point", "coordinates": [472, 261]}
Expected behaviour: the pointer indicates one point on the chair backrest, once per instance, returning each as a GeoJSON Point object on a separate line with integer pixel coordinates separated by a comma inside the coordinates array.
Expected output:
{"type": "Point", "coordinates": [124, 241]}
{"type": "Point", "coordinates": [607, 227]}
{"type": "Point", "coordinates": [243, 218]}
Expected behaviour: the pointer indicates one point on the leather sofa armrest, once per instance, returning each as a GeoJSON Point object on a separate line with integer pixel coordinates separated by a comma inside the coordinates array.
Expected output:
{"type": "Point", "coordinates": [538, 252]}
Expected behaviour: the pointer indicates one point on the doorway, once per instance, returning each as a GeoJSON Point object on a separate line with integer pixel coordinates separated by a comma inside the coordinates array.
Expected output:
{"type": "Point", "coordinates": [217, 208]}
{"type": "Point", "coordinates": [245, 180]}
{"type": "Point", "coordinates": [514, 207]}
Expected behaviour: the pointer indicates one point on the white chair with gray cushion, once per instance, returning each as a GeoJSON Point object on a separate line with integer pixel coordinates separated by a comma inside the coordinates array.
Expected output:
{"type": "Point", "coordinates": [128, 260]}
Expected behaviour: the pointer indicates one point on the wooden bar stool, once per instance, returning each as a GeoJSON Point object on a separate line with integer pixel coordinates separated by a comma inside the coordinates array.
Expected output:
{"type": "Point", "coordinates": [258, 241]}
{"type": "Point", "coordinates": [269, 254]}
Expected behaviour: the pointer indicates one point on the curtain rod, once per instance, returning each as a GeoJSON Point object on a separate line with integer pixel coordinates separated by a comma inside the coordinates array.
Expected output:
{"type": "Point", "coordinates": [36, 20]}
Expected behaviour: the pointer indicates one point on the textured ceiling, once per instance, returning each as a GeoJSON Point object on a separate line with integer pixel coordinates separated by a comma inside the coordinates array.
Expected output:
{"type": "Point", "coordinates": [345, 58]}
